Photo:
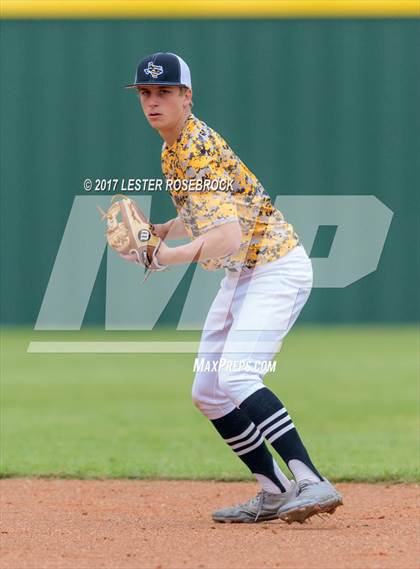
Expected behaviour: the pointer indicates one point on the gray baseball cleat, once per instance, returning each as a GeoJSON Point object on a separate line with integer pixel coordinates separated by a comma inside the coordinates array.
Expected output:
{"type": "Point", "coordinates": [312, 498]}
{"type": "Point", "coordinates": [265, 506]}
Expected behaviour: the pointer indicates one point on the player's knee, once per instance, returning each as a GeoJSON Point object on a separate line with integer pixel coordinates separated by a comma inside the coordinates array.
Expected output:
{"type": "Point", "coordinates": [238, 386]}
{"type": "Point", "coordinates": [208, 399]}
{"type": "Point", "coordinates": [226, 383]}
{"type": "Point", "coordinates": [198, 393]}
{"type": "Point", "coordinates": [201, 400]}
{"type": "Point", "coordinates": [195, 396]}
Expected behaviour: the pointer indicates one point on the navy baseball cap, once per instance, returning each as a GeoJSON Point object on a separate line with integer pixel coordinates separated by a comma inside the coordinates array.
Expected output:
{"type": "Point", "coordinates": [162, 69]}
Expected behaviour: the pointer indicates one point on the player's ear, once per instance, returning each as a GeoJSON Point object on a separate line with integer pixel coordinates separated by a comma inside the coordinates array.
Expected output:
{"type": "Point", "coordinates": [188, 96]}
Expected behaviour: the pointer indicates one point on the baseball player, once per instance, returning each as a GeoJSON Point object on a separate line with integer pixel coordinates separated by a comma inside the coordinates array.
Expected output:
{"type": "Point", "coordinates": [231, 223]}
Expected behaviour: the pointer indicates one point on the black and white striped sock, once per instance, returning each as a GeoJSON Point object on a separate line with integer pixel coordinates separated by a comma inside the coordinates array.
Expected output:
{"type": "Point", "coordinates": [241, 434]}
{"type": "Point", "coordinates": [273, 421]}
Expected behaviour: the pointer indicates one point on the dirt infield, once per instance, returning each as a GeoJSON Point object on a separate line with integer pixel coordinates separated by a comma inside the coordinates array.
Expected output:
{"type": "Point", "coordinates": [160, 525]}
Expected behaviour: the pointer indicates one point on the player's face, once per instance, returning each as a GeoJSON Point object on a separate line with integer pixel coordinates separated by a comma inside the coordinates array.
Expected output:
{"type": "Point", "coordinates": [164, 106]}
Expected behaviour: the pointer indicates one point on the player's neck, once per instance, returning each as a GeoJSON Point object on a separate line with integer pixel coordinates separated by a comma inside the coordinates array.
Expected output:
{"type": "Point", "coordinates": [171, 134]}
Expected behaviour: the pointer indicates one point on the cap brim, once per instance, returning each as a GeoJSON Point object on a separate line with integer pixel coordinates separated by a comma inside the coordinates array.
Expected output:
{"type": "Point", "coordinates": [133, 85]}
{"type": "Point", "coordinates": [168, 84]}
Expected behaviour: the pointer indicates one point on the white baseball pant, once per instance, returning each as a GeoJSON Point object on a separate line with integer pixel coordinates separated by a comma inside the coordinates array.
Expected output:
{"type": "Point", "coordinates": [247, 321]}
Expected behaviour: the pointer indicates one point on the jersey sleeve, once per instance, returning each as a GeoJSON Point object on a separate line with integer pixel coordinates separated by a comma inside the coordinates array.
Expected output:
{"type": "Point", "coordinates": [205, 210]}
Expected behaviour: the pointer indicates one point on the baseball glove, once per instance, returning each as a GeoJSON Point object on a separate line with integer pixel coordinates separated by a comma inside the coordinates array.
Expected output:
{"type": "Point", "coordinates": [129, 232]}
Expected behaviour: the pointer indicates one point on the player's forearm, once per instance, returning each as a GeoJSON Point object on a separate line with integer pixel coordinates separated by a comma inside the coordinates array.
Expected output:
{"type": "Point", "coordinates": [217, 242]}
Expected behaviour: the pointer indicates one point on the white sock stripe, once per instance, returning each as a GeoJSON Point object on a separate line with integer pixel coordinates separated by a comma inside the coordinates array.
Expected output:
{"type": "Point", "coordinates": [246, 442]}
{"type": "Point", "coordinates": [280, 433]}
{"type": "Point", "coordinates": [242, 435]}
{"type": "Point", "coordinates": [282, 411]}
{"type": "Point", "coordinates": [255, 445]}
{"type": "Point", "coordinates": [277, 424]}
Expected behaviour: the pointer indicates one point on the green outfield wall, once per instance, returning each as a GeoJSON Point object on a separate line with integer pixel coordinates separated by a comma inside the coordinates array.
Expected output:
{"type": "Point", "coordinates": [313, 107]}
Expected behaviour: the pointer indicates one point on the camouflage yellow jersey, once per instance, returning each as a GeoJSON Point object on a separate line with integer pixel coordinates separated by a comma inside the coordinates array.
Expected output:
{"type": "Point", "coordinates": [200, 153]}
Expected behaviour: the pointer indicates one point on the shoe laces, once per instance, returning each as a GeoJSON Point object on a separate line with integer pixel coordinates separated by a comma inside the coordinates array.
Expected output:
{"type": "Point", "coordinates": [260, 497]}
{"type": "Point", "coordinates": [257, 501]}
{"type": "Point", "coordinates": [252, 501]}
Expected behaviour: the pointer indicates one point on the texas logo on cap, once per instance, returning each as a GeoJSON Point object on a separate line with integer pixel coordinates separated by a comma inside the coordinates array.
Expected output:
{"type": "Point", "coordinates": [153, 70]}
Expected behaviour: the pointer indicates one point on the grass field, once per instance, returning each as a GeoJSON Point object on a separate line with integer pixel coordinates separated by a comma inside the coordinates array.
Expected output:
{"type": "Point", "coordinates": [352, 391]}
